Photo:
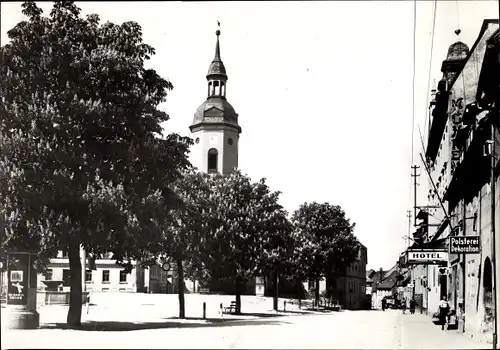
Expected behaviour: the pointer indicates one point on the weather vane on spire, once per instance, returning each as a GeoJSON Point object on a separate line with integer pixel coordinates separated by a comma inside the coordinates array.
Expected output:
{"type": "Point", "coordinates": [218, 23]}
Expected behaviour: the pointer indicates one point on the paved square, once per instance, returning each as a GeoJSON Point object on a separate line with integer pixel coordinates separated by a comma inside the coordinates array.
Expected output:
{"type": "Point", "coordinates": [149, 321]}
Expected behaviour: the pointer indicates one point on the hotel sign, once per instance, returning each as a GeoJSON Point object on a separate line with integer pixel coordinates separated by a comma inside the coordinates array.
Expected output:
{"type": "Point", "coordinates": [427, 257]}
{"type": "Point", "coordinates": [465, 245]}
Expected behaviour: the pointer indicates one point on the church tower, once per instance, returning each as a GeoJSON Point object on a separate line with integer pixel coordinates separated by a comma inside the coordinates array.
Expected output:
{"type": "Point", "coordinates": [215, 128]}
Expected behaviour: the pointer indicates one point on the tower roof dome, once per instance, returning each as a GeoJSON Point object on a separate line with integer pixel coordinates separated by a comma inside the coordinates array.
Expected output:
{"type": "Point", "coordinates": [215, 110]}
{"type": "Point", "coordinates": [457, 51]}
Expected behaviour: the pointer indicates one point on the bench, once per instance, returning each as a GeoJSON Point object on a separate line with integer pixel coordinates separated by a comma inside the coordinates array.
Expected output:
{"type": "Point", "coordinates": [230, 309]}
{"type": "Point", "coordinates": [203, 290]}
{"type": "Point", "coordinates": [452, 321]}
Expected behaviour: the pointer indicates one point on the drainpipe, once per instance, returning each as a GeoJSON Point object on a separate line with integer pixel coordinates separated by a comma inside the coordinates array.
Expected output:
{"type": "Point", "coordinates": [493, 252]}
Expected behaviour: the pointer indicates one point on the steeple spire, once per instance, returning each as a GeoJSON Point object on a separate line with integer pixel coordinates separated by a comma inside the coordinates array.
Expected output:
{"type": "Point", "coordinates": [217, 46]}
{"type": "Point", "coordinates": [217, 67]}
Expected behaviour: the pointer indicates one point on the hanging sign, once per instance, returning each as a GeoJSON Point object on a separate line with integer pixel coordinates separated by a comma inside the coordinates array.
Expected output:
{"type": "Point", "coordinates": [427, 257]}
{"type": "Point", "coordinates": [465, 245]}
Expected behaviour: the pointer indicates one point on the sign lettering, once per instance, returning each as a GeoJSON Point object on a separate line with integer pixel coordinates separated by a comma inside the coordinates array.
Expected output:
{"type": "Point", "coordinates": [427, 257]}
{"type": "Point", "coordinates": [17, 293]}
{"type": "Point", "coordinates": [465, 245]}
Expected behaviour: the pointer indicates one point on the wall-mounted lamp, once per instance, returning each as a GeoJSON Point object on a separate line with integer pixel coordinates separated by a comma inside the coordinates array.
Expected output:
{"type": "Point", "coordinates": [474, 223]}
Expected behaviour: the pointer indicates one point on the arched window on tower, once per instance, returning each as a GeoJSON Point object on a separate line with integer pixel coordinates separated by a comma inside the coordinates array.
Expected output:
{"type": "Point", "coordinates": [212, 160]}
{"type": "Point", "coordinates": [209, 88]}
{"type": "Point", "coordinates": [222, 88]}
{"type": "Point", "coordinates": [216, 90]}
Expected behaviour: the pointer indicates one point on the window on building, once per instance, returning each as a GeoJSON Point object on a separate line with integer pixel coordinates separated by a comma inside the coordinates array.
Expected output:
{"type": "Point", "coordinates": [213, 155]}
{"type": "Point", "coordinates": [230, 141]}
{"type": "Point", "coordinates": [105, 276]}
{"type": "Point", "coordinates": [64, 253]}
{"type": "Point", "coordinates": [66, 278]}
{"type": "Point", "coordinates": [88, 276]}
{"type": "Point", "coordinates": [123, 276]}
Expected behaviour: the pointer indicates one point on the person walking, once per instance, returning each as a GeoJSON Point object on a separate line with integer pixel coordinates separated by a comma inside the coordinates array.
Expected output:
{"type": "Point", "coordinates": [412, 306]}
{"type": "Point", "coordinates": [444, 309]}
{"type": "Point", "coordinates": [403, 305]}
{"type": "Point", "coordinates": [383, 304]}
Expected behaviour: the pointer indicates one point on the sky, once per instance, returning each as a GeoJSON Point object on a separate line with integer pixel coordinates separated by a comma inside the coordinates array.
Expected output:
{"type": "Point", "coordinates": [324, 92]}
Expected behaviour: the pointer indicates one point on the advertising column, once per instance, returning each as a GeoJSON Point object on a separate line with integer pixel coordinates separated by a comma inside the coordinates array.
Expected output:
{"type": "Point", "coordinates": [21, 291]}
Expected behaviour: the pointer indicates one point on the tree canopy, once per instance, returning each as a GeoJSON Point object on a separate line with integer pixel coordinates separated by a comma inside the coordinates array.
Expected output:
{"type": "Point", "coordinates": [81, 160]}
{"type": "Point", "coordinates": [324, 240]}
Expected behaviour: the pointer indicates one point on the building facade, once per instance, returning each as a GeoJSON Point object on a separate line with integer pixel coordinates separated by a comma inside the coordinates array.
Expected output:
{"type": "Point", "coordinates": [459, 162]}
{"type": "Point", "coordinates": [105, 276]}
{"type": "Point", "coordinates": [473, 113]}
{"type": "Point", "coordinates": [349, 288]}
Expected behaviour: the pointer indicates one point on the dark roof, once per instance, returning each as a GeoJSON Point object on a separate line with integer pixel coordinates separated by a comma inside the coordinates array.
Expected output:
{"type": "Point", "coordinates": [218, 110]}
{"type": "Point", "coordinates": [389, 281]}
{"type": "Point", "coordinates": [217, 67]}
{"type": "Point", "coordinates": [457, 51]}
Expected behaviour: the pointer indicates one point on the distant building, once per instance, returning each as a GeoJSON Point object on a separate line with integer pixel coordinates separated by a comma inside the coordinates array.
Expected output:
{"type": "Point", "coordinates": [107, 276]}
{"type": "Point", "coordinates": [349, 288]}
{"type": "Point", "coordinates": [383, 285]}
{"type": "Point", "coordinates": [369, 282]}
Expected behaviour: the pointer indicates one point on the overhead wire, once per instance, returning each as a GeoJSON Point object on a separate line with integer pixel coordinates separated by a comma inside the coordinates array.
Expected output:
{"type": "Point", "coordinates": [413, 78]}
{"type": "Point", "coordinates": [413, 85]}
{"type": "Point", "coordinates": [430, 65]}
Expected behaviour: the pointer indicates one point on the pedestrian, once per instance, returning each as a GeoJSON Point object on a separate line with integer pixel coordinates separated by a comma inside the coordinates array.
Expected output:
{"type": "Point", "coordinates": [444, 309]}
{"type": "Point", "coordinates": [403, 305]}
{"type": "Point", "coordinates": [412, 306]}
{"type": "Point", "coordinates": [383, 304]}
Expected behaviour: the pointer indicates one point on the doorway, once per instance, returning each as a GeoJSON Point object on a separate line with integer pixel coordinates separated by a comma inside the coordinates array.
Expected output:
{"type": "Point", "coordinates": [488, 290]}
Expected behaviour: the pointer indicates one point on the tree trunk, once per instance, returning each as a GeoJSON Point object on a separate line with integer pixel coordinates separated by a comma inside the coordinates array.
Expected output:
{"type": "Point", "coordinates": [317, 291]}
{"type": "Point", "coordinates": [75, 275]}
{"type": "Point", "coordinates": [180, 290]}
{"type": "Point", "coordinates": [276, 294]}
{"type": "Point", "coordinates": [238, 296]}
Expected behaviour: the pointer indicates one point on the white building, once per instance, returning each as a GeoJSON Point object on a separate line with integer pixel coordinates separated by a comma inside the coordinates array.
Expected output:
{"type": "Point", "coordinates": [107, 276]}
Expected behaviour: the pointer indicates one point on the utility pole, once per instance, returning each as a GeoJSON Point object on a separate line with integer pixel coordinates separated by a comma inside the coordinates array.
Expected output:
{"type": "Point", "coordinates": [415, 175]}
{"type": "Point", "coordinates": [409, 228]}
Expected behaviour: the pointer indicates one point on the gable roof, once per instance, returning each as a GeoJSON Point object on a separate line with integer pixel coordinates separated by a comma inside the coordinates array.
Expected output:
{"type": "Point", "coordinates": [389, 281]}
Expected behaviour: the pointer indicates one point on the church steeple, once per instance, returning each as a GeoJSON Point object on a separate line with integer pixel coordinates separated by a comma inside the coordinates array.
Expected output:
{"type": "Point", "coordinates": [216, 75]}
{"type": "Point", "coordinates": [215, 129]}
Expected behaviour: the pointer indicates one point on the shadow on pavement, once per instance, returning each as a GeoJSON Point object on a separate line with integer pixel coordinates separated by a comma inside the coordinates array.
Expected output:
{"type": "Point", "coordinates": [115, 326]}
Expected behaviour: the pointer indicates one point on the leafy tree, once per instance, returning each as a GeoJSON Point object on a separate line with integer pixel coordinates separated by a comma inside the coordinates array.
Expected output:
{"type": "Point", "coordinates": [184, 229]}
{"type": "Point", "coordinates": [246, 229]}
{"type": "Point", "coordinates": [324, 241]}
{"type": "Point", "coordinates": [277, 243]}
{"type": "Point", "coordinates": [80, 162]}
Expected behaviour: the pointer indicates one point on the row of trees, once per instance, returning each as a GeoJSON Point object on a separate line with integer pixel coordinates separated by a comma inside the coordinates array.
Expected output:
{"type": "Point", "coordinates": [82, 163]}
